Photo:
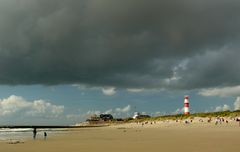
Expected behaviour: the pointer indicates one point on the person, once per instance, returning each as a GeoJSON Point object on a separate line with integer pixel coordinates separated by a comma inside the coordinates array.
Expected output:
{"type": "Point", "coordinates": [45, 135]}
{"type": "Point", "coordinates": [34, 133]}
{"type": "Point", "coordinates": [238, 120]}
{"type": "Point", "coordinates": [217, 121]}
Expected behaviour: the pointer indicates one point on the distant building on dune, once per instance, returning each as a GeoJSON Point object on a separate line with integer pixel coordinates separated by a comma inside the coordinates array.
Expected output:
{"type": "Point", "coordinates": [106, 117]}
{"type": "Point", "coordinates": [101, 118]}
{"type": "Point", "coordinates": [138, 115]}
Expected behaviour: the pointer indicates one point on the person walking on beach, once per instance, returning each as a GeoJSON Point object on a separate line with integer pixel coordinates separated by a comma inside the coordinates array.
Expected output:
{"type": "Point", "coordinates": [45, 135]}
{"type": "Point", "coordinates": [238, 120]}
{"type": "Point", "coordinates": [34, 133]}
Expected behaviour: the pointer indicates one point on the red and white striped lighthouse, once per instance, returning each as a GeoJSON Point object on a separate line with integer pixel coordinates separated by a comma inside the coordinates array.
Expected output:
{"type": "Point", "coordinates": [186, 105]}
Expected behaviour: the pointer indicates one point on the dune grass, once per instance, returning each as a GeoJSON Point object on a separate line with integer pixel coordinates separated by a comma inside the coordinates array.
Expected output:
{"type": "Point", "coordinates": [190, 116]}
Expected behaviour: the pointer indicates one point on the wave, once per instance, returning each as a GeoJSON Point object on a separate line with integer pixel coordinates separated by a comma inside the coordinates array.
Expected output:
{"type": "Point", "coordinates": [16, 130]}
{"type": "Point", "coordinates": [26, 133]}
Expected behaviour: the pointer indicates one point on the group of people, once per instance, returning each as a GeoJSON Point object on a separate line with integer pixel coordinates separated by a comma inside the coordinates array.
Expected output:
{"type": "Point", "coordinates": [220, 120]}
{"type": "Point", "coordinates": [35, 134]}
{"type": "Point", "coordinates": [238, 120]}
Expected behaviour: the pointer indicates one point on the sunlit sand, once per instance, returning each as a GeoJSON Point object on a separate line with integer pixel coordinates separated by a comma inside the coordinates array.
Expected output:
{"type": "Point", "coordinates": [161, 136]}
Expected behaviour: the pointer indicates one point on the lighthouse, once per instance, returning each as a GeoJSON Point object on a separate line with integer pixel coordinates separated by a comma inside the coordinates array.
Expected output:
{"type": "Point", "coordinates": [186, 105]}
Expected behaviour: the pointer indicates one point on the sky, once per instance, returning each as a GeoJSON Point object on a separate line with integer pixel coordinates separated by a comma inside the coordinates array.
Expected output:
{"type": "Point", "coordinates": [63, 60]}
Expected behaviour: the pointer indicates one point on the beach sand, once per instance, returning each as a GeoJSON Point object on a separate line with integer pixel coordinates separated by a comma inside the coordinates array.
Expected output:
{"type": "Point", "coordinates": [135, 138]}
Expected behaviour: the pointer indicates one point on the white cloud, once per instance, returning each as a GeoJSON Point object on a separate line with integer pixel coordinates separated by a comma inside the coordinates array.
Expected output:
{"type": "Point", "coordinates": [97, 112]}
{"type": "Point", "coordinates": [222, 92]}
{"type": "Point", "coordinates": [226, 107]}
{"type": "Point", "coordinates": [222, 108]}
{"type": "Point", "coordinates": [158, 113]}
{"type": "Point", "coordinates": [87, 115]}
{"type": "Point", "coordinates": [84, 87]}
{"type": "Point", "coordinates": [237, 104]}
{"type": "Point", "coordinates": [135, 90]}
{"type": "Point", "coordinates": [74, 116]}
{"type": "Point", "coordinates": [18, 105]}
{"type": "Point", "coordinates": [178, 111]}
{"type": "Point", "coordinates": [218, 108]}
{"type": "Point", "coordinates": [117, 112]}
{"type": "Point", "coordinates": [108, 111]}
{"type": "Point", "coordinates": [175, 72]}
{"type": "Point", "coordinates": [79, 86]}
{"type": "Point", "coordinates": [123, 110]}
{"type": "Point", "coordinates": [109, 91]}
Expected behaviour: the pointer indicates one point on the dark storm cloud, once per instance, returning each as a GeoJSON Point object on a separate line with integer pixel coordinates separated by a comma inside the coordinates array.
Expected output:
{"type": "Point", "coordinates": [213, 69]}
{"type": "Point", "coordinates": [137, 43]}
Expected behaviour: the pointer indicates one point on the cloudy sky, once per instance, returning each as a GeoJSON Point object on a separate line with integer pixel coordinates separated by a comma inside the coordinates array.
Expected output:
{"type": "Point", "coordinates": [63, 60]}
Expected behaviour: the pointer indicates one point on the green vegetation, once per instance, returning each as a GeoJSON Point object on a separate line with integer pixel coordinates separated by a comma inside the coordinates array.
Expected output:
{"type": "Point", "coordinates": [169, 117]}
{"type": "Point", "coordinates": [191, 116]}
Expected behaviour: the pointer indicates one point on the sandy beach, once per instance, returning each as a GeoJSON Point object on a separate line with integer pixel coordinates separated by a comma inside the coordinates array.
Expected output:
{"type": "Point", "coordinates": [137, 138]}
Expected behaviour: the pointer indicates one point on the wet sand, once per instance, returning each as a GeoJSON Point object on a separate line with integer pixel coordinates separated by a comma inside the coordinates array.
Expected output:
{"type": "Point", "coordinates": [135, 138]}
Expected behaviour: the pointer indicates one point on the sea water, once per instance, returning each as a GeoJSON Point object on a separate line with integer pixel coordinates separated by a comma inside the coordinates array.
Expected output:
{"type": "Point", "coordinates": [27, 133]}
